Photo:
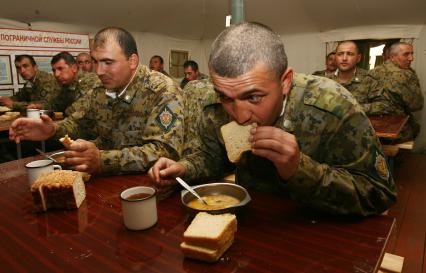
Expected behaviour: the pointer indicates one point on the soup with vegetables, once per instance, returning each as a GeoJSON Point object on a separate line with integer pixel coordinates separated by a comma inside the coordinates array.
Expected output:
{"type": "Point", "coordinates": [214, 202]}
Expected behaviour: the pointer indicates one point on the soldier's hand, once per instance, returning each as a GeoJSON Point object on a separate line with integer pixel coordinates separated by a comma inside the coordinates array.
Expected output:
{"type": "Point", "coordinates": [279, 147]}
{"type": "Point", "coordinates": [32, 129]}
{"type": "Point", "coordinates": [164, 172]}
{"type": "Point", "coordinates": [84, 156]}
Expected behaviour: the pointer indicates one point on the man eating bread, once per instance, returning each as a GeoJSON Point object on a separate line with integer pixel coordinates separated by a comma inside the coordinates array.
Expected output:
{"type": "Point", "coordinates": [135, 114]}
{"type": "Point", "coordinates": [312, 139]}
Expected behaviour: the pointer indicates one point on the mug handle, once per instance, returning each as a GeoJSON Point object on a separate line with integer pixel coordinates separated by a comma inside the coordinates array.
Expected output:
{"type": "Point", "coordinates": [57, 167]}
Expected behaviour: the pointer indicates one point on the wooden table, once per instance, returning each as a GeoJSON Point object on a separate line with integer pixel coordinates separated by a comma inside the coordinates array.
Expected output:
{"type": "Point", "coordinates": [274, 235]}
{"type": "Point", "coordinates": [388, 126]}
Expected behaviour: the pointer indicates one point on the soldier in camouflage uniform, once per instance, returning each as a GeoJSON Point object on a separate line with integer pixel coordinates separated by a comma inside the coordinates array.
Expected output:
{"type": "Point", "coordinates": [75, 84]}
{"type": "Point", "coordinates": [363, 87]}
{"type": "Point", "coordinates": [136, 114]}
{"type": "Point", "coordinates": [197, 94]}
{"type": "Point", "coordinates": [402, 88]}
{"type": "Point", "coordinates": [313, 141]}
{"type": "Point", "coordinates": [330, 66]}
{"type": "Point", "coordinates": [38, 88]}
{"type": "Point", "coordinates": [192, 73]}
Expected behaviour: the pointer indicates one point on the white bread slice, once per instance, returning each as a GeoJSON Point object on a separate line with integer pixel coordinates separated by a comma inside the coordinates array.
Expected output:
{"type": "Point", "coordinates": [210, 231]}
{"type": "Point", "coordinates": [236, 139]}
{"type": "Point", "coordinates": [66, 141]}
{"type": "Point", "coordinates": [205, 254]}
{"type": "Point", "coordinates": [62, 189]}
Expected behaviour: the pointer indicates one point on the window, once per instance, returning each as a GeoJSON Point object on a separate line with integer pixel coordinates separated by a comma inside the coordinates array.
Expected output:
{"type": "Point", "coordinates": [177, 59]}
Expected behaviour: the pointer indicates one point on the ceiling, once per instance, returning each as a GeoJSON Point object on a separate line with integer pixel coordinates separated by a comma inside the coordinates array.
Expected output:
{"type": "Point", "coordinates": [204, 19]}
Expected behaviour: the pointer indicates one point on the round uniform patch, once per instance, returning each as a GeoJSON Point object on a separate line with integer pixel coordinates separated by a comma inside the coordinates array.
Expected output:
{"type": "Point", "coordinates": [166, 118]}
{"type": "Point", "coordinates": [381, 167]}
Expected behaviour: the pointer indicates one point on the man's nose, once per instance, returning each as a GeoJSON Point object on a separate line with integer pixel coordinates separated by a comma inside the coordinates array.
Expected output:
{"type": "Point", "coordinates": [241, 114]}
{"type": "Point", "coordinates": [99, 69]}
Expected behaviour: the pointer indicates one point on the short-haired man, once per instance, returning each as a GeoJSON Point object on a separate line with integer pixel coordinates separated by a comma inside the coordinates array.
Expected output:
{"type": "Point", "coordinates": [38, 88]}
{"type": "Point", "coordinates": [136, 114]}
{"type": "Point", "coordinates": [402, 87]}
{"type": "Point", "coordinates": [330, 66]}
{"type": "Point", "coordinates": [74, 84]}
{"type": "Point", "coordinates": [191, 72]}
{"type": "Point", "coordinates": [84, 62]}
{"type": "Point", "coordinates": [157, 63]}
{"type": "Point", "coordinates": [363, 87]}
{"type": "Point", "coordinates": [312, 141]}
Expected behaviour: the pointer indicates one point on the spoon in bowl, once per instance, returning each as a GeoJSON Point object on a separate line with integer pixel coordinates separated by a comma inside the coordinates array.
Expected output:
{"type": "Point", "coordinates": [188, 188]}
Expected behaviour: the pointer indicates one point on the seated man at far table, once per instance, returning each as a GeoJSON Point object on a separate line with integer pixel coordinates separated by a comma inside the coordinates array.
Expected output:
{"type": "Point", "coordinates": [402, 88]}
{"type": "Point", "coordinates": [136, 115]}
{"type": "Point", "coordinates": [75, 84]}
{"type": "Point", "coordinates": [39, 87]}
{"type": "Point", "coordinates": [312, 140]}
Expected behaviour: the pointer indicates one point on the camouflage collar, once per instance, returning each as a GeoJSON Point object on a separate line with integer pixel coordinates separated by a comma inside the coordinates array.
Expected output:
{"type": "Point", "coordinates": [129, 92]}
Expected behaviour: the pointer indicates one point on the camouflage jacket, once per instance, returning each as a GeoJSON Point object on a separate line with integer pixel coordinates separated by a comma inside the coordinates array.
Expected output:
{"type": "Point", "coordinates": [366, 91]}
{"type": "Point", "coordinates": [322, 73]}
{"type": "Point", "coordinates": [41, 90]}
{"type": "Point", "coordinates": [197, 94]}
{"type": "Point", "coordinates": [342, 168]}
{"type": "Point", "coordinates": [68, 99]}
{"type": "Point", "coordinates": [142, 124]}
{"type": "Point", "coordinates": [402, 89]}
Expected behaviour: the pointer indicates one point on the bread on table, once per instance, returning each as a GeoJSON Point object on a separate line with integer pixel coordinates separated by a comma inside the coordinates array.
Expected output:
{"type": "Point", "coordinates": [66, 141]}
{"type": "Point", "coordinates": [236, 138]}
{"type": "Point", "coordinates": [209, 236]}
{"type": "Point", "coordinates": [62, 189]}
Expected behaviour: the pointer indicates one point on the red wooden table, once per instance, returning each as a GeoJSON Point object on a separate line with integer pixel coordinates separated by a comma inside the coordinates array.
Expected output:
{"type": "Point", "coordinates": [274, 235]}
{"type": "Point", "coordinates": [388, 126]}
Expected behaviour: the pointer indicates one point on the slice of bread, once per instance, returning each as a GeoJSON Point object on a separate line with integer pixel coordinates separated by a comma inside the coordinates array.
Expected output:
{"type": "Point", "coordinates": [236, 139]}
{"type": "Point", "coordinates": [62, 189]}
{"type": "Point", "coordinates": [66, 141]}
{"type": "Point", "coordinates": [205, 254]}
{"type": "Point", "coordinates": [210, 231]}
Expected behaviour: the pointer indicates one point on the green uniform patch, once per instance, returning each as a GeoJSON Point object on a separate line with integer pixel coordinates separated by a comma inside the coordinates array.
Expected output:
{"type": "Point", "coordinates": [381, 167]}
{"type": "Point", "coordinates": [166, 118]}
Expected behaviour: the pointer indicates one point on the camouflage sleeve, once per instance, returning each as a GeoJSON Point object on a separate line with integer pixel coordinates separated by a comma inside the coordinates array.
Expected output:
{"type": "Point", "coordinates": [209, 161]}
{"type": "Point", "coordinates": [354, 178]}
{"type": "Point", "coordinates": [20, 99]}
{"type": "Point", "coordinates": [162, 137]}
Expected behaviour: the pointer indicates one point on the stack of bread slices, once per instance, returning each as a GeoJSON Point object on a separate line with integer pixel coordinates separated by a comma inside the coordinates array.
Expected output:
{"type": "Point", "coordinates": [209, 236]}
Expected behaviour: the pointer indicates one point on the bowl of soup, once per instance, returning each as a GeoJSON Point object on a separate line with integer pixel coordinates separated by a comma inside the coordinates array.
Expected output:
{"type": "Point", "coordinates": [220, 198]}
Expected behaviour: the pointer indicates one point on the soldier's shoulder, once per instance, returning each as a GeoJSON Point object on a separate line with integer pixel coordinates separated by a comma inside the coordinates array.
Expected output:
{"type": "Point", "coordinates": [324, 94]}
{"type": "Point", "coordinates": [89, 79]}
{"type": "Point", "coordinates": [156, 81]}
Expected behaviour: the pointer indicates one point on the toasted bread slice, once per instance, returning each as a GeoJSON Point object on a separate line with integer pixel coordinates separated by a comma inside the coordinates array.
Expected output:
{"type": "Point", "coordinates": [236, 139]}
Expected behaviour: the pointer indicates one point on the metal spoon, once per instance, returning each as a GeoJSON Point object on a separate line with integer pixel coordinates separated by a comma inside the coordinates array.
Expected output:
{"type": "Point", "coordinates": [45, 155]}
{"type": "Point", "coordinates": [188, 188]}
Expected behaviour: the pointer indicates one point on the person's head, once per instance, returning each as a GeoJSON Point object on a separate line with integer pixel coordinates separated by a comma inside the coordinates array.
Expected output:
{"type": "Point", "coordinates": [26, 66]}
{"type": "Point", "coordinates": [347, 56]}
{"type": "Point", "coordinates": [84, 61]}
{"type": "Point", "coordinates": [385, 53]}
{"type": "Point", "coordinates": [64, 68]}
{"type": "Point", "coordinates": [401, 54]}
{"type": "Point", "coordinates": [115, 56]}
{"type": "Point", "coordinates": [248, 67]}
{"type": "Point", "coordinates": [156, 63]}
{"type": "Point", "coordinates": [190, 70]}
{"type": "Point", "coordinates": [330, 62]}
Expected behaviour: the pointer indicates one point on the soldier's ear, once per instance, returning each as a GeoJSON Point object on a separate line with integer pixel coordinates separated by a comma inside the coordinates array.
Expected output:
{"type": "Point", "coordinates": [286, 80]}
{"type": "Point", "coordinates": [134, 61]}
